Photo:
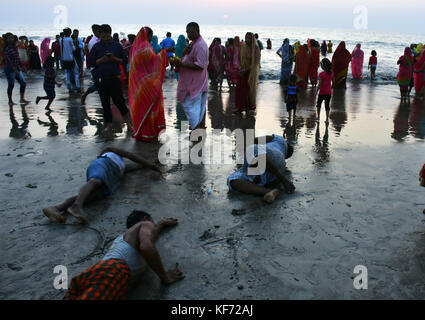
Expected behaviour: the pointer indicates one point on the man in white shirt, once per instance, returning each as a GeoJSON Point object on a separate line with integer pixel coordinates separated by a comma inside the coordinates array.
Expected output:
{"type": "Point", "coordinates": [95, 86]}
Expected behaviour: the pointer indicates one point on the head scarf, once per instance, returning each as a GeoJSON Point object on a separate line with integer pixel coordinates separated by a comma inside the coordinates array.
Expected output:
{"type": "Point", "coordinates": [181, 45]}
{"type": "Point", "coordinates": [155, 46]}
{"type": "Point", "coordinates": [237, 42]}
{"type": "Point", "coordinates": [44, 50]}
{"type": "Point", "coordinates": [418, 49]}
{"type": "Point", "coordinates": [341, 58]}
{"type": "Point", "coordinates": [285, 51]}
{"type": "Point", "coordinates": [357, 52]}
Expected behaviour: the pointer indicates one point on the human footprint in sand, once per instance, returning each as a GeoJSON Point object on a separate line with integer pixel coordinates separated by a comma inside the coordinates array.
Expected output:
{"type": "Point", "coordinates": [103, 177]}
{"type": "Point", "coordinates": [274, 152]}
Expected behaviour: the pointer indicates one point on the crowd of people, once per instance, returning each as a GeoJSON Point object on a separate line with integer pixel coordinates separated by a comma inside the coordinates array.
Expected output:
{"type": "Point", "coordinates": [139, 63]}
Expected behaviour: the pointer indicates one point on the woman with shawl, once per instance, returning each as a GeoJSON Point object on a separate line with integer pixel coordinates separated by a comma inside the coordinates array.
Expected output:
{"type": "Point", "coordinates": [340, 61]}
{"type": "Point", "coordinates": [147, 72]}
{"type": "Point", "coordinates": [302, 66]}
{"type": "Point", "coordinates": [314, 47]}
{"type": "Point", "coordinates": [418, 74]}
{"type": "Point", "coordinates": [155, 46]}
{"type": "Point", "coordinates": [249, 70]}
{"type": "Point", "coordinates": [286, 53]}
{"type": "Point", "coordinates": [357, 57]}
{"type": "Point", "coordinates": [405, 72]}
{"type": "Point", "coordinates": [179, 48]}
{"type": "Point", "coordinates": [44, 50]}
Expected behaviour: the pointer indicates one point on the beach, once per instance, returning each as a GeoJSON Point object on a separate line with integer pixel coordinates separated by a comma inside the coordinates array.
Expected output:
{"type": "Point", "coordinates": [357, 199]}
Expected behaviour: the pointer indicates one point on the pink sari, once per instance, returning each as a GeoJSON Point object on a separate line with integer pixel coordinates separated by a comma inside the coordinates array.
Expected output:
{"type": "Point", "coordinates": [147, 72]}
{"type": "Point", "coordinates": [44, 50]}
{"type": "Point", "coordinates": [357, 57]}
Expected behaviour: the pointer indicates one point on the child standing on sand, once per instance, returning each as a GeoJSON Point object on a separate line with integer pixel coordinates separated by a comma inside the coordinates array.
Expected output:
{"type": "Point", "coordinates": [49, 82]}
{"type": "Point", "coordinates": [373, 61]}
{"type": "Point", "coordinates": [325, 88]}
{"type": "Point", "coordinates": [291, 97]}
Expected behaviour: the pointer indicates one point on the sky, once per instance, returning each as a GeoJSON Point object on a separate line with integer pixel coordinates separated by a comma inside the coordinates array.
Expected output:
{"type": "Point", "coordinates": [381, 15]}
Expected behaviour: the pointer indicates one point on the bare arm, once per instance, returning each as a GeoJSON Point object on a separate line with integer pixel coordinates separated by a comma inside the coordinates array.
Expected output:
{"type": "Point", "coordinates": [272, 168]}
{"type": "Point", "coordinates": [131, 156]}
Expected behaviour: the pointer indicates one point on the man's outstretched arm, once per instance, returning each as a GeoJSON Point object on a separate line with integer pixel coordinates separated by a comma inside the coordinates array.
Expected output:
{"type": "Point", "coordinates": [133, 157]}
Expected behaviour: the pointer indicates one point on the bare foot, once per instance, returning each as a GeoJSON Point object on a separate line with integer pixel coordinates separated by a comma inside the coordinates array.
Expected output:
{"type": "Point", "coordinates": [54, 214]}
{"type": "Point", "coordinates": [77, 213]}
{"type": "Point", "coordinates": [271, 196]}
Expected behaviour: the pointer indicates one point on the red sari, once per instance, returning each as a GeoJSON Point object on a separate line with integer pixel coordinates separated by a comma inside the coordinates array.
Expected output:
{"type": "Point", "coordinates": [147, 72]}
{"type": "Point", "coordinates": [340, 61]}
{"type": "Point", "coordinates": [302, 66]}
{"type": "Point", "coordinates": [315, 62]}
{"type": "Point", "coordinates": [419, 77]}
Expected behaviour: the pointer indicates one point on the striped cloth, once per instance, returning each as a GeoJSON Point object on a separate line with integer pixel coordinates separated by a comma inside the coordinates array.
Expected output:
{"type": "Point", "coordinates": [106, 280]}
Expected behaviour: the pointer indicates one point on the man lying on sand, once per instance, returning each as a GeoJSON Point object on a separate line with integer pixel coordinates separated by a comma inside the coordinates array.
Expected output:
{"type": "Point", "coordinates": [127, 258]}
{"type": "Point", "coordinates": [275, 151]}
{"type": "Point", "coordinates": [103, 176]}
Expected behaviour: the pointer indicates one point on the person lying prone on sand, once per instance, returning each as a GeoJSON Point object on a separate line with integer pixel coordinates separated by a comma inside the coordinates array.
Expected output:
{"type": "Point", "coordinates": [275, 152]}
{"type": "Point", "coordinates": [127, 258]}
{"type": "Point", "coordinates": [103, 178]}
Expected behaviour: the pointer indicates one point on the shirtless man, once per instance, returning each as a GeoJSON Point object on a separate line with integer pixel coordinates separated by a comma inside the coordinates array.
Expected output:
{"type": "Point", "coordinates": [127, 258]}
{"type": "Point", "coordinates": [103, 176]}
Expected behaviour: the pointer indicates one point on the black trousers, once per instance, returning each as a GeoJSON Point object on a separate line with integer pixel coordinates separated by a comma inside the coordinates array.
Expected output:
{"type": "Point", "coordinates": [110, 87]}
{"type": "Point", "coordinates": [326, 98]}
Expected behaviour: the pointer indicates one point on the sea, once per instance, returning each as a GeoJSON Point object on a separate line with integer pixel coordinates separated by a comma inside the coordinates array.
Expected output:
{"type": "Point", "coordinates": [388, 45]}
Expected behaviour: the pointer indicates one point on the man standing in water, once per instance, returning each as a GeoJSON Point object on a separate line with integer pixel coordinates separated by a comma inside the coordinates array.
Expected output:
{"type": "Point", "coordinates": [192, 90]}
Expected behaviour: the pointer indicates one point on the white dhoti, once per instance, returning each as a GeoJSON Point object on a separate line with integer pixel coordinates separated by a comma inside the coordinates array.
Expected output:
{"type": "Point", "coordinates": [195, 109]}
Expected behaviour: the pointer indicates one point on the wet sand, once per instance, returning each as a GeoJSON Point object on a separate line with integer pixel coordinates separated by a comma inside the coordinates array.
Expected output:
{"type": "Point", "coordinates": [357, 202]}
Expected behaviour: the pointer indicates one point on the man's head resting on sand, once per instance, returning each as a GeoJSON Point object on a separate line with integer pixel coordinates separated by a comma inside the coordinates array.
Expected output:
{"type": "Point", "coordinates": [137, 216]}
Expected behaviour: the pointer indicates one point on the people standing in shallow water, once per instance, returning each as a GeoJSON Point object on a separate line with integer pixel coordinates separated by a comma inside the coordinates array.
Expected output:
{"type": "Point", "coordinates": [125, 261]}
{"type": "Point", "coordinates": [269, 44]}
{"type": "Point", "coordinates": [273, 154]}
{"type": "Point", "coordinates": [325, 89]}
{"type": "Point", "coordinates": [103, 178]}
{"type": "Point", "coordinates": [249, 69]}
{"type": "Point", "coordinates": [340, 61]}
{"type": "Point", "coordinates": [230, 68]}
{"type": "Point", "coordinates": [12, 68]}
{"type": "Point", "coordinates": [373, 62]}
{"type": "Point", "coordinates": [286, 53]}
{"type": "Point", "coordinates": [404, 76]}
{"type": "Point", "coordinates": [357, 59]}
{"type": "Point", "coordinates": [34, 54]}
{"type": "Point", "coordinates": [418, 73]}
{"type": "Point", "coordinates": [217, 63]}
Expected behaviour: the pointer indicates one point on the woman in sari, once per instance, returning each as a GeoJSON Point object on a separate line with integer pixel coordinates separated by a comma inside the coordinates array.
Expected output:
{"type": "Point", "coordinates": [405, 72]}
{"type": "Point", "coordinates": [340, 61]}
{"type": "Point", "coordinates": [249, 70]}
{"type": "Point", "coordinates": [230, 68]}
{"type": "Point", "coordinates": [147, 72]}
{"type": "Point", "coordinates": [314, 47]}
{"type": "Point", "coordinates": [418, 74]}
{"type": "Point", "coordinates": [44, 50]}
{"type": "Point", "coordinates": [302, 66]}
{"type": "Point", "coordinates": [357, 57]}
{"type": "Point", "coordinates": [324, 48]}
{"type": "Point", "coordinates": [35, 62]}
{"type": "Point", "coordinates": [286, 53]}
{"type": "Point", "coordinates": [179, 48]}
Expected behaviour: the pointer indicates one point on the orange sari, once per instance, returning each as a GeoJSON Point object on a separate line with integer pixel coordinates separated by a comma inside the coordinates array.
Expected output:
{"type": "Point", "coordinates": [147, 72]}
